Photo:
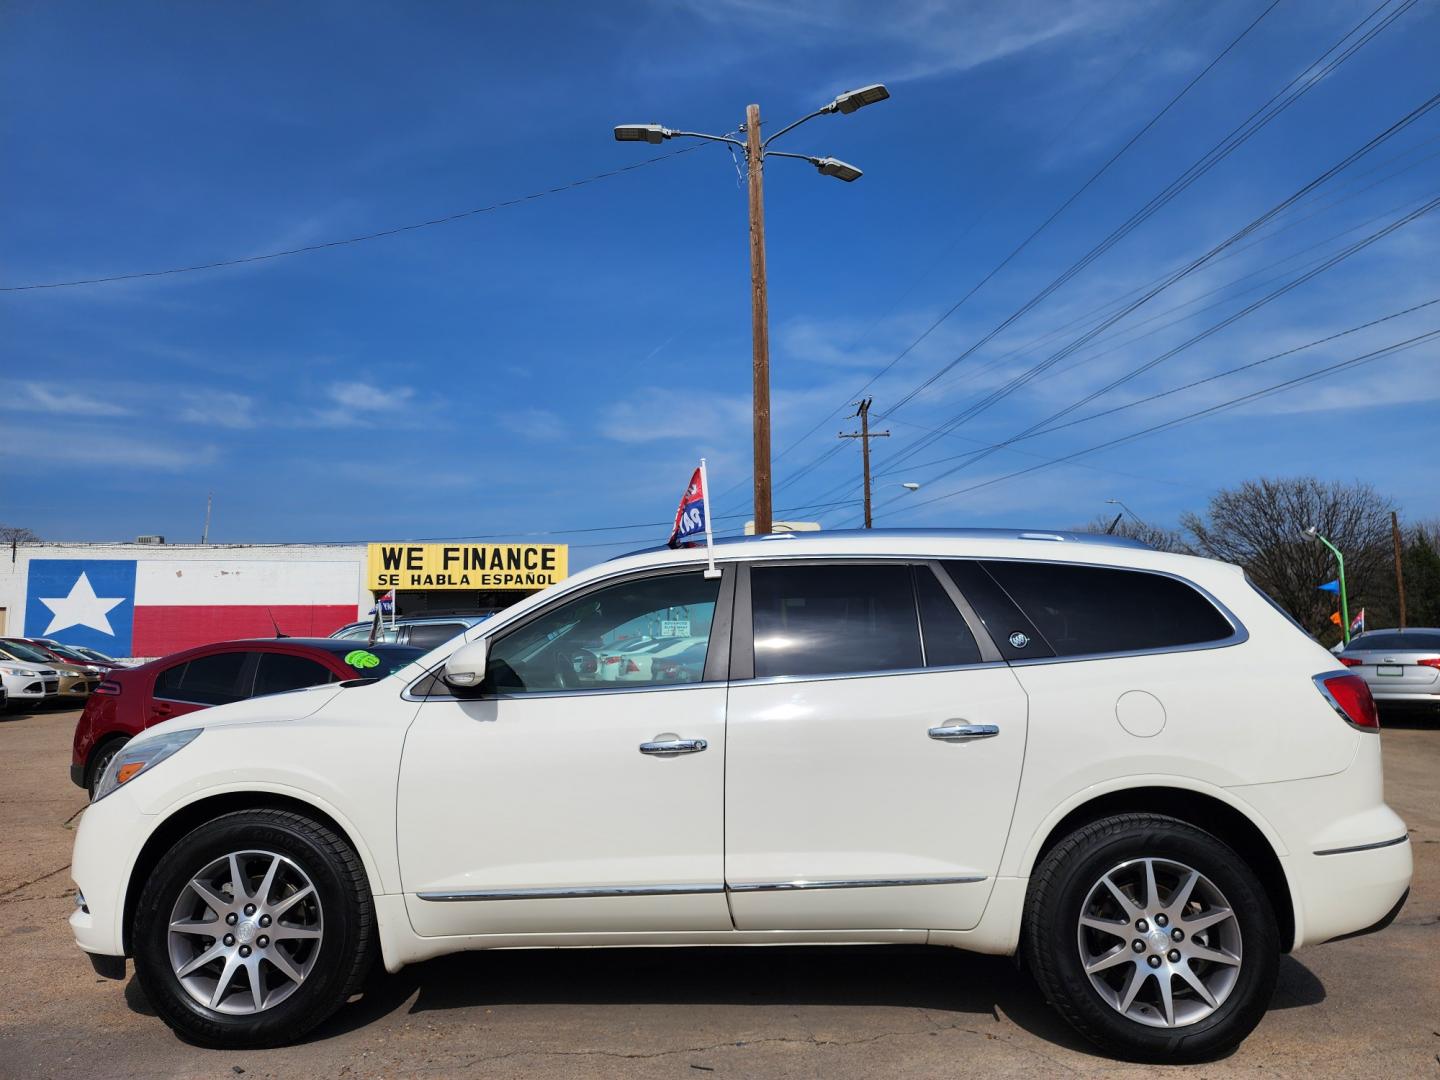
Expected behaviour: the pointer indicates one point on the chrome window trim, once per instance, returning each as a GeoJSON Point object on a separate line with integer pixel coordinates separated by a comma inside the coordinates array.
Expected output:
{"type": "Point", "coordinates": [589, 691]}
{"type": "Point", "coordinates": [1364, 847]}
{"type": "Point", "coordinates": [600, 891]}
{"type": "Point", "coordinates": [769, 679]}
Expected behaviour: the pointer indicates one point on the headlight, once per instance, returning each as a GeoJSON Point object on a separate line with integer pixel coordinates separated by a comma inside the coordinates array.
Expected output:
{"type": "Point", "coordinates": [133, 760]}
{"type": "Point", "coordinates": [8, 670]}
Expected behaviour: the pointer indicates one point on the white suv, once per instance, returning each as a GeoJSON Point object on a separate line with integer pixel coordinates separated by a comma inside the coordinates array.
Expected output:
{"type": "Point", "coordinates": [1128, 767]}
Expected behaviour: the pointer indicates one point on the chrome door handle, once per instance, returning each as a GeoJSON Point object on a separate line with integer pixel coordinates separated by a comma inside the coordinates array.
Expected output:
{"type": "Point", "coordinates": [674, 746]}
{"type": "Point", "coordinates": [949, 732]}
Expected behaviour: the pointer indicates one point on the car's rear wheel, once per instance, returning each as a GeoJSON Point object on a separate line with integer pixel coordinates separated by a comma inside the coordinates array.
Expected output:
{"type": "Point", "coordinates": [1152, 938]}
{"type": "Point", "coordinates": [253, 928]}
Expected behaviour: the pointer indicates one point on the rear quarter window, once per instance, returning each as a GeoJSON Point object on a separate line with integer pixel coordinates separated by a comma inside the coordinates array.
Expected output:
{"type": "Point", "coordinates": [1085, 610]}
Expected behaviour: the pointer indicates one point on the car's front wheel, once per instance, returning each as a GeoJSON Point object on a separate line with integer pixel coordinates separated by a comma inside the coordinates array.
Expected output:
{"type": "Point", "coordinates": [253, 928]}
{"type": "Point", "coordinates": [1152, 938]}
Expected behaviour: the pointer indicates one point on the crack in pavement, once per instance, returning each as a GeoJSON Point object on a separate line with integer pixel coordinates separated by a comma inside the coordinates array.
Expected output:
{"type": "Point", "coordinates": [32, 881]}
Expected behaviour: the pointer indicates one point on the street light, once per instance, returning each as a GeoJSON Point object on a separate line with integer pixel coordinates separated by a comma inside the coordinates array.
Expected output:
{"type": "Point", "coordinates": [910, 486]}
{"type": "Point", "coordinates": [1312, 533]}
{"type": "Point", "coordinates": [1137, 517]}
{"type": "Point", "coordinates": [756, 151]}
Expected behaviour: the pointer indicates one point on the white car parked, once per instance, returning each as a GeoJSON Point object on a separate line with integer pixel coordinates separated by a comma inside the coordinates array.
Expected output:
{"type": "Point", "coordinates": [1127, 766]}
{"type": "Point", "coordinates": [28, 683]}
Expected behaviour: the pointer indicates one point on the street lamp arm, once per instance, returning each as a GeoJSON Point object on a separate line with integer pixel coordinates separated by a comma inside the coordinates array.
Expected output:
{"type": "Point", "coordinates": [797, 157]}
{"type": "Point", "coordinates": [702, 135]}
{"type": "Point", "coordinates": [791, 127]}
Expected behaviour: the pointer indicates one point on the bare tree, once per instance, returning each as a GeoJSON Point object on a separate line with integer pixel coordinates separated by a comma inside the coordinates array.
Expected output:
{"type": "Point", "coordinates": [1156, 537]}
{"type": "Point", "coordinates": [17, 534]}
{"type": "Point", "coordinates": [1259, 526]}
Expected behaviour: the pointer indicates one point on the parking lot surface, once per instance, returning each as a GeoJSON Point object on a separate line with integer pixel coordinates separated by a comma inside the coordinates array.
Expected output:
{"type": "Point", "coordinates": [1366, 1007]}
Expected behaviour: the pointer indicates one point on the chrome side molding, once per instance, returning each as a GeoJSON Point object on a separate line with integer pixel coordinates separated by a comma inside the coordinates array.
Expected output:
{"type": "Point", "coordinates": [691, 890]}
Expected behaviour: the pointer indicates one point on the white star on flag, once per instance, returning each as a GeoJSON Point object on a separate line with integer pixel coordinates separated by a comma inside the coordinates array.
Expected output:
{"type": "Point", "coordinates": [81, 608]}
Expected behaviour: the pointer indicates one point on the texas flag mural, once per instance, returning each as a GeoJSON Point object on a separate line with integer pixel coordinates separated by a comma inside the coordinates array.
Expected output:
{"type": "Point", "coordinates": [129, 607]}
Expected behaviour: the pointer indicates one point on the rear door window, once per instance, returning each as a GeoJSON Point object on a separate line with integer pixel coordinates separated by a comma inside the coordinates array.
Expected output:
{"type": "Point", "coordinates": [206, 680]}
{"type": "Point", "coordinates": [832, 620]}
{"type": "Point", "coordinates": [1084, 610]}
{"type": "Point", "coordinates": [277, 672]}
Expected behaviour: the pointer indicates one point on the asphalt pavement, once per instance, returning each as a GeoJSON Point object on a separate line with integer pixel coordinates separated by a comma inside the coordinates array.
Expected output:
{"type": "Point", "coordinates": [1369, 1007]}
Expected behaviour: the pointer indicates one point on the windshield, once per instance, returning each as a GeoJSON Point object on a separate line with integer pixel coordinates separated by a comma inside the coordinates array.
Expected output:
{"type": "Point", "coordinates": [94, 654]}
{"type": "Point", "coordinates": [18, 651]}
{"type": "Point", "coordinates": [374, 661]}
{"type": "Point", "coordinates": [69, 653]}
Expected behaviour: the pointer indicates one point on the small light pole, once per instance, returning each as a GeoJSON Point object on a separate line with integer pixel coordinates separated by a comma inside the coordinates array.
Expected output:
{"type": "Point", "coordinates": [1313, 534]}
{"type": "Point", "coordinates": [756, 151]}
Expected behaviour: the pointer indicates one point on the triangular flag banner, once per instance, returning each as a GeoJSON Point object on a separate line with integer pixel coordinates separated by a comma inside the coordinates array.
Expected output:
{"type": "Point", "coordinates": [1335, 618]}
{"type": "Point", "coordinates": [1329, 586]}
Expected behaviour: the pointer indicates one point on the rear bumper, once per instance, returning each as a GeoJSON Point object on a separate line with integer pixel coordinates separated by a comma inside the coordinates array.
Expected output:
{"type": "Point", "coordinates": [1348, 892]}
{"type": "Point", "coordinates": [1431, 697]}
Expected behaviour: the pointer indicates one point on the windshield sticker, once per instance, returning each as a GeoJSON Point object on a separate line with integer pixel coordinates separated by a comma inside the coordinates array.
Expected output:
{"type": "Point", "coordinates": [361, 658]}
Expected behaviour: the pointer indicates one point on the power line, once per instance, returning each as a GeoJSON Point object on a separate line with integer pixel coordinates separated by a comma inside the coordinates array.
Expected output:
{"type": "Point", "coordinates": [1334, 260]}
{"type": "Point", "coordinates": [360, 239]}
{"type": "Point", "coordinates": [1036, 370]}
{"type": "Point", "coordinates": [1198, 414]}
{"type": "Point", "coordinates": [1063, 131]}
{"type": "Point", "coordinates": [1217, 153]}
{"type": "Point", "coordinates": [1177, 389]}
{"type": "Point", "coordinates": [1110, 305]}
{"type": "Point", "coordinates": [1238, 136]}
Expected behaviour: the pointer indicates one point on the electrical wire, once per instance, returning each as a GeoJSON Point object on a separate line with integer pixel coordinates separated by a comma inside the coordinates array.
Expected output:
{"type": "Point", "coordinates": [1036, 370]}
{"type": "Point", "coordinates": [1334, 260]}
{"type": "Point", "coordinates": [1223, 406]}
{"type": "Point", "coordinates": [1036, 231]}
{"type": "Point", "coordinates": [360, 239]}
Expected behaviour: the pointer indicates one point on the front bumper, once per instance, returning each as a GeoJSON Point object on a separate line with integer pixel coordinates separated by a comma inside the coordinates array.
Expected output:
{"type": "Point", "coordinates": [108, 842]}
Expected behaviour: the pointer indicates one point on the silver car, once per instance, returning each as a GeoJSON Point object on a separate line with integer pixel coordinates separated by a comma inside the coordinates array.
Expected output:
{"type": "Point", "coordinates": [1401, 667]}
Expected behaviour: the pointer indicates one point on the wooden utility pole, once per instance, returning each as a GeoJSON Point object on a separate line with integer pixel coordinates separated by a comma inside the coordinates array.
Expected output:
{"type": "Point", "coordinates": [865, 435]}
{"type": "Point", "coordinates": [1399, 574]}
{"type": "Point", "coordinates": [759, 320]}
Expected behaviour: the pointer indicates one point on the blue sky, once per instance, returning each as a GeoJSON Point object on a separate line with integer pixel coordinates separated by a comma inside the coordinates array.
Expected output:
{"type": "Point", "coordinates": [562, 364]}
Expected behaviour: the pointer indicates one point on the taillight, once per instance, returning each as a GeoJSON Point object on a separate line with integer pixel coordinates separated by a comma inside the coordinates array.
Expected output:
{"type": "Point", "coordinates": [1350, 697]}
{"type": "Point", "coordinates": [109, 686]}
{"type": "Point", "coordinates": [1349, 661]}
{"type": "Point", "coordinates": [1429, 661]}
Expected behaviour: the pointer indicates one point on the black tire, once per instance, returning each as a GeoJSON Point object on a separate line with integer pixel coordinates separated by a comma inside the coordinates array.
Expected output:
{"type": "Point", "coordinates": [1058, 889]}
{"type": "Point", "coordinates": [344, 952]}
{"type": "Point", "coordinates": [99, 760]}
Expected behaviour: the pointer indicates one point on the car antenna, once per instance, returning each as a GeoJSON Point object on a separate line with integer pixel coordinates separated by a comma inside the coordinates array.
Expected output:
{"type": "Point", "coordinates": [278, 632]}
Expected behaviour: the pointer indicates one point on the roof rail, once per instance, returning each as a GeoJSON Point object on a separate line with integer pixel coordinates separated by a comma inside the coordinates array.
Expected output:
{"type": "Point", "coordinates": [1063, 536]}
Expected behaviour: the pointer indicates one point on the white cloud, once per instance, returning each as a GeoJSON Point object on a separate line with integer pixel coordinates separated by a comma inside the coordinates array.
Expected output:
{"type": "Point", "coordinates": [218, 408]}
{"type": "Point", "coordinates": [101, 448]}
{"type": "Point", "coordinates": [59, 399]}
{"type": "Point", "coordinates": [367, 398]}
{"type": "Point", "coordinates": [925, 37]}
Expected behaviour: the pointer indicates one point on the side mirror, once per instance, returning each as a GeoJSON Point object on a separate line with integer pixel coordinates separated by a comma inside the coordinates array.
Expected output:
{"type": "Point", "coordinates": [465, 668]}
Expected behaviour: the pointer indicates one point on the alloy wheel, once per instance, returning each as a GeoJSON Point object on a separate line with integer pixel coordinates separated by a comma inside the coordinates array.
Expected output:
{"type": "Point", "coordinates": [1159, 942]}
{"type": "Point", "coordinates": [245, 932]}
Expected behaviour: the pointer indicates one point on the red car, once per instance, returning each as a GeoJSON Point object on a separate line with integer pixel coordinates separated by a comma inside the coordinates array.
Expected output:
{"type": "Point", "coordinates": [132, 699]}
{"type": "Point", "coordinates": [66, 654]}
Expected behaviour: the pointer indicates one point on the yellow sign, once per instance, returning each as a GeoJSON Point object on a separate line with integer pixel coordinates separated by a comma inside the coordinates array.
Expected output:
{"type": "Point", "coordinates": [410, 567]}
